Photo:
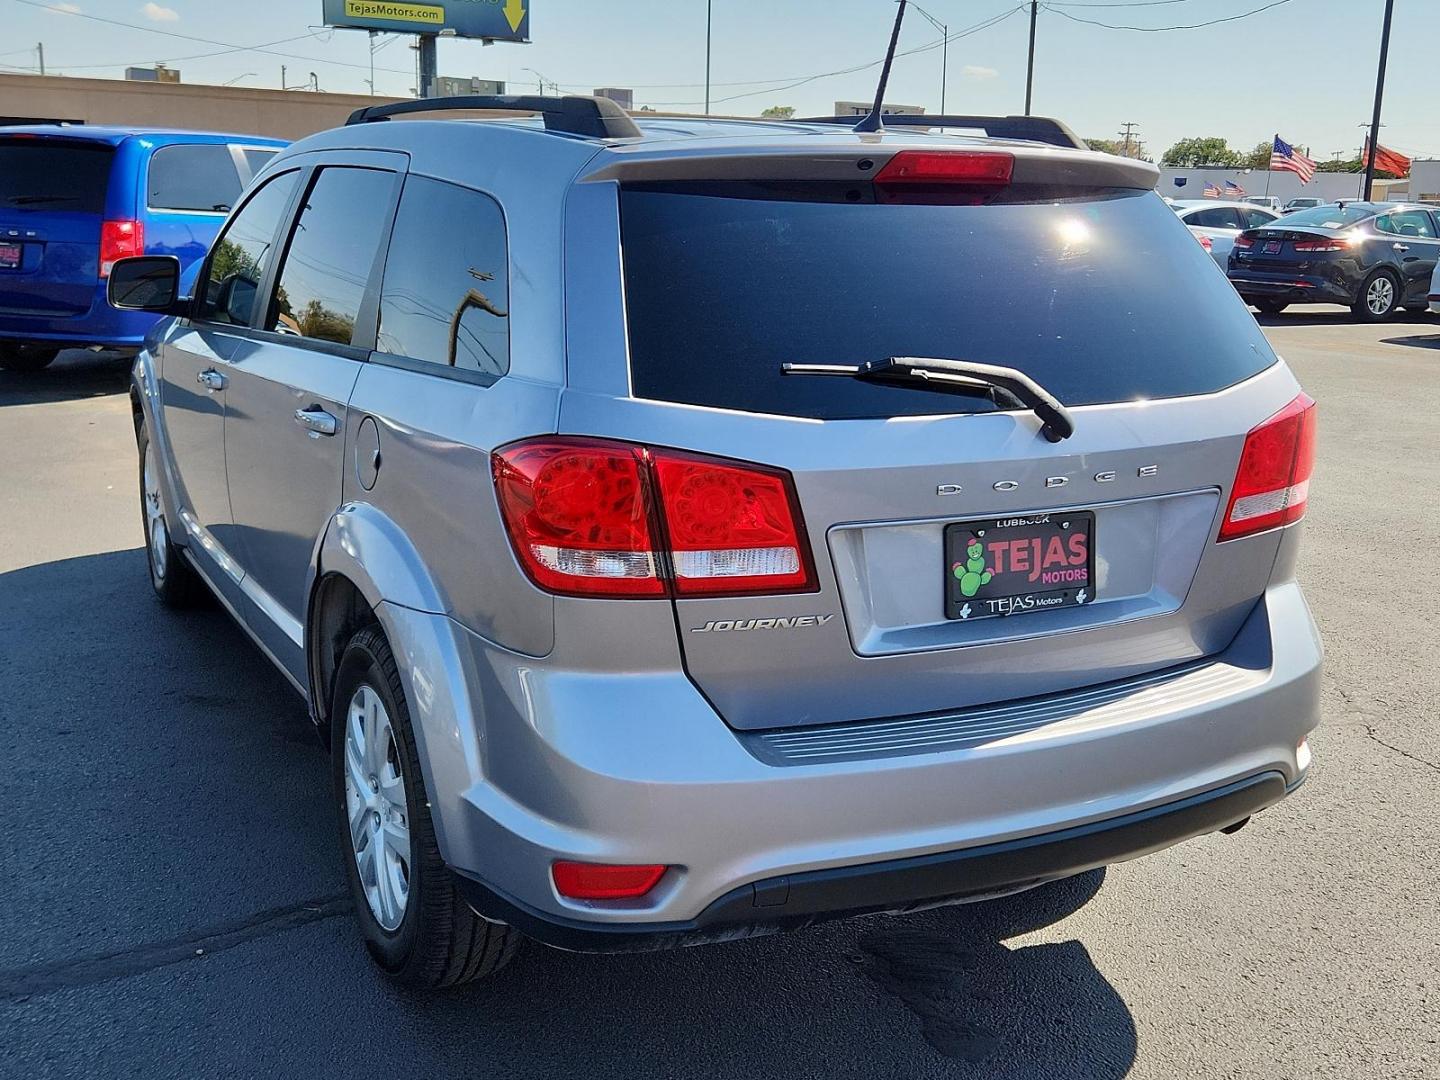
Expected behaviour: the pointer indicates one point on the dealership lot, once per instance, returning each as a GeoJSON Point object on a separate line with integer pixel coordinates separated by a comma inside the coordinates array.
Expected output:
{"type": "Point", "coordinates": [173, 881]}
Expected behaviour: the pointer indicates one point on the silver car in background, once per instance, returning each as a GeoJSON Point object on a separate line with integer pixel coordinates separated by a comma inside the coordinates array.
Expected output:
{"type": "Point", "coordinates": [687, 529]}
{"type": "Point", "coordinates": [1217, 224]}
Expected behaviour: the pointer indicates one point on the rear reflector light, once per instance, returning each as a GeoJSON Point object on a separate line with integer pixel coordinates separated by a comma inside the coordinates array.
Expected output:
{"type": "Point", "coordinates": [1272, 483]}
{"type": "Point", "coordinates": [1206, 243]}
{"type": "Point", "coordinates": [1244, 242]}
{"type": "Point", "coordinates": [947, 167]}
{"type": "Point", "coordinates": [597, 881]}
{"type": "Point", "coordinates": [1321, 245]}
{"type": "Point", "coordinates": [592, 517]}
{"type": "Point", "coordinates": [119, 240]}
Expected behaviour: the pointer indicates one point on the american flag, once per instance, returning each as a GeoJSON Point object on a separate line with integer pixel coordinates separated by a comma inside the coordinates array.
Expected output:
{"type": "Point", "coordinates": [1285, 156]}
{"type": "Point", "coordinates": [1232, 188]}
{"type": "Point", "coordinates": [1211, 191]}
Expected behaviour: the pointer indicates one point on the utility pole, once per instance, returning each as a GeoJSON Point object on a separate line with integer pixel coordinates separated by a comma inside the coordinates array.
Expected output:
{"type": "Point", "coordinates": [40, 51]}
{"type": "Point", "coordinates": [1379, 94]}
{"type": "Point", "coordinates": [429, 64]}
{"type": "Point", "coordinates": [708, 5]}
{"type": "Point", "coordinates": [944, 51]}
{"type": "Point", "coordinates": [373, 35]}
{"type": "Point", "coordinates": [1030, 67]}
{"type": "Point", "coordinates": [1127, 135]}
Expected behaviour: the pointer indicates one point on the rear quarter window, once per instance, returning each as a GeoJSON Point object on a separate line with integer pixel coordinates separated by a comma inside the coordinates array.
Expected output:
{"type": "Point", "coordinates": [1102, 300]}
{"type": "Point", "coordinates": [45, 174]}
{"type": "Point", "coordinates": [200, 177]}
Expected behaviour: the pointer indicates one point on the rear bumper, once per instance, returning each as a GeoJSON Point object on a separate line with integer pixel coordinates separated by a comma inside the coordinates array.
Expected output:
{"type": "Point", "coordinates": [1435, 303]}
{"type": "Point", "coordinates": [101, 326]}
{"type": "Point", "coordinates": [792, 902]}
{"type": "Point", "coordinates": [528, 761]}
{"type": "Point", "coordinates": [1291, 288]}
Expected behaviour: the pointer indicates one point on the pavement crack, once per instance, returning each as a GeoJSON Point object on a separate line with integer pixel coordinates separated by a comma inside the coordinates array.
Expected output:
{"type": "Point", "coordinates": [1373, 737]}
{"type": "Point", "coordinates": [21, 983]}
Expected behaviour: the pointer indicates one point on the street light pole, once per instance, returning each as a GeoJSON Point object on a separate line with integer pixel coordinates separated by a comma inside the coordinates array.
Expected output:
{"type": "Point", "coordinates": [1379, 93]}
{"type": "Point", "coordinates": [1030, 65]}
{"type": "Point", "coordinates": [708, 5]}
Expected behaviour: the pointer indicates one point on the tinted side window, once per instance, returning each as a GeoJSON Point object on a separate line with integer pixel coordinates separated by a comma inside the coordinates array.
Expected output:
{"type": "Point", "coordinates": [1255, 219]}
{"type": "Point", "coordinates": [327, 268]}
{"type": "Point", "coordinates": [1407, 223]}
{"type": "Point", "coordinates": [446, 297]}
{"type": "Point", "coordinates": [243, 253]}
{"type": "Point", "coordinates": [198, 177]}
{"type": "Point", "coordinates": [258, 159]}
{"type": "Point", "coordinates": [1215, 217]}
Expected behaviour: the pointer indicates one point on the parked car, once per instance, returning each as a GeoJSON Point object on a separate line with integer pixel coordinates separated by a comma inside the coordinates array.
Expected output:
{"type": "Point", "coordinates": [1435, 290]}
{"type": "Point", "coordinates": [647, 518]}
{"type": "Point", "coordinates": [73, 200]}
{"type": "Point", "coordinates": [1373, 257]}
{"type": "Point", "coordinates": [1218, 223]}
{"type": "Point", "coordinates": [1269, 202]}
{"type": "Point", "coordinates": [1305, 202]}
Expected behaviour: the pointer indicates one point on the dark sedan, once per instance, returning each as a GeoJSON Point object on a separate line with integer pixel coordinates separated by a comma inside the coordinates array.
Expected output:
{"type": "Point", "coordinates": [1372, 257]}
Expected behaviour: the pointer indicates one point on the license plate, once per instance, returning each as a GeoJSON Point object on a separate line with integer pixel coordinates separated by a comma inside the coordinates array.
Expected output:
{"type": "Point", "coordinates": [10, 256]}
{"type": "Point", "coordinates": [1015, 565]}
{"type": "Point", "coordinates": [1272, 247]}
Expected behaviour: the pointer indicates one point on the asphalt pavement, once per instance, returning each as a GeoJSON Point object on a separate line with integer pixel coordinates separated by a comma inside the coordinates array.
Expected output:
{"type": "Point", "coordinates": [172, 893]}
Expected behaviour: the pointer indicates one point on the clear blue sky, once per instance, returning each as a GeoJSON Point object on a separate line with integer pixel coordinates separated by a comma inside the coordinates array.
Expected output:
{"type": "Point", "coordinates": [1305, 68]}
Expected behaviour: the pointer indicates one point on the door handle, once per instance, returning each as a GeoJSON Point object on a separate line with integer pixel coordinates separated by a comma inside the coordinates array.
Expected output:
{"type": "Point", "coordinates": [1400, 247]}
{"type": "Point", "coordinates": [211, 379]}
{"type": "Point", "coordinates": [317, 421]}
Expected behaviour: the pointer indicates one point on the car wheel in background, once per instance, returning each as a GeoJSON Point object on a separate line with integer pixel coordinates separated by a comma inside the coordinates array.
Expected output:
{"type": "Point", "coordinates": [175, 581]}
{"type": "Point", "coordinates": [414, 921]}
{"type": "Point", "coordinates": [1269, 307]}
{"type": "Point", "coordinates": [1377, 299]}
{"type": "Point", "coordinates": [26, 358]}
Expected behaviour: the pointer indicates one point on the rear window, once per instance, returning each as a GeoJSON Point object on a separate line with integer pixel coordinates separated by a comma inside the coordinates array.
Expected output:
{"type": "Point", "coordinates": [1326, 217]}
{"type": "Point", "coordinates": [197, 177]}
{"type": "Point", "coordinates": [43, 174]}
{"type": "Point", "coordinates": [1100, 300]}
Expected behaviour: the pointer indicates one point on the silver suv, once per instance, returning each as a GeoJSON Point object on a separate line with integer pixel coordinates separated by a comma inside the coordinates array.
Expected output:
{"type": "Point", "coordinates": [687, 529]}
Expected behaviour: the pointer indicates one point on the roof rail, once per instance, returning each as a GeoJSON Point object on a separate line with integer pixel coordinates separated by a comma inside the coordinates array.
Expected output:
{"type": "Point", "coordinates": [593, 118]}
{"type": "Point", "coordinates": [1030, 128]}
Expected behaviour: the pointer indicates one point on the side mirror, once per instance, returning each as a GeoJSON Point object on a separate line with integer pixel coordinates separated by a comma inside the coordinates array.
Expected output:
{"type": "Point", "coordinates": [146, 283]}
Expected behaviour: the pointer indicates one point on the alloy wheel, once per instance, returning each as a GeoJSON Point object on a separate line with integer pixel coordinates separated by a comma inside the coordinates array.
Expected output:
{"type": "Point", "coordinates": [1380, 296]}
{"type": "Point", "coordinates": [375, 808]}
{"type": "Point", "coordinates": [157, 534]}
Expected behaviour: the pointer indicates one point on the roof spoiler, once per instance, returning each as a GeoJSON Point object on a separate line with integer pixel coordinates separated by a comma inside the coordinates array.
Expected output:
{"type": "Point", "coordinates": [1041, 129]}
{"type": "Point", "coordinates": [589, 117]}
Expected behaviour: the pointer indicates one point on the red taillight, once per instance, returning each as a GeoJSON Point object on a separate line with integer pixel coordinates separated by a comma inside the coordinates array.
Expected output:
{"type": "Point", "coordinates": [592, 517]}
{"type": "Point", "coordinates": [597, 881]}
{"type": "Point", "coordinates": [947, 167]}
{"type": "Point", "coordinates": [1244, 242]}
{"type": "Point", "coordinates": [120, 240]}
{"type": "Point", "coordinates": [1272, 483]}
{"type": "Point", "coordinates": [1205, 242]}
{"type": "Point", "coordinates": [1320, 245]}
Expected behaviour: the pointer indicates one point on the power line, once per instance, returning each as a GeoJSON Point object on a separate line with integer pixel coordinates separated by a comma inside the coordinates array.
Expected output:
{"type": "Point", "coordinates": [803, 80]}
{"type": "Point", "coordinates": [203, 40]}
{"type": "Point", "coordinates": [1164, 29]}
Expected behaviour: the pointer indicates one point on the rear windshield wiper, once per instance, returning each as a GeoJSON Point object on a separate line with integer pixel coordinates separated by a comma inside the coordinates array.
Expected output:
{"type": "Point", "coordinates": [1002, 385]}
{"type": "Point", "coordinates": [32, 200]}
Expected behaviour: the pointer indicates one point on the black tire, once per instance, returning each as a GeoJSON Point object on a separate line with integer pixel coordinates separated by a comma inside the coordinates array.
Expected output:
{"type": "Point", "coordinates": [1361, 308]}
{"type": "Point", "coordinates": [26, 359]}
{"type": "Point", "coordinates": [439, 942]}
{"type": "Point", "coordinates": [174, 580]}
{"type": "Point", "coordinates": [1269, 307]}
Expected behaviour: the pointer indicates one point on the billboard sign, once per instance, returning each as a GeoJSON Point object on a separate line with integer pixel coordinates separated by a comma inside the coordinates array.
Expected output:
{"type": "Point", "coordinates": [496, 20]}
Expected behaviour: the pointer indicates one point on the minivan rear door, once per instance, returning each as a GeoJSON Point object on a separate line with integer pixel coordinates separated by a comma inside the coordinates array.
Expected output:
{"type": "Point", "coordinates": [1102, 297]}
{"type": "Point", "coordinates": [52, 200]}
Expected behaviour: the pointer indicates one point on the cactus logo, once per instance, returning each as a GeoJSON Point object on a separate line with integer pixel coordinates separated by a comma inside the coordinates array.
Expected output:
{"type": "Point", "coordinates": [972, 573]}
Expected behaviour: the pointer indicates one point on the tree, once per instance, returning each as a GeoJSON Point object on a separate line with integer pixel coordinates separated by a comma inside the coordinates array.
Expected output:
{"type": "Point", "coordinates": [779, 112]}
{"type": "Point", "coordinates": [1201, 151]}
{"type": "Point", "coordinates": [1353, 165]}
{"type": "Point", "coordinates": [1259, 158]}
{"type": "Point", "coordinates": [1105, 146]}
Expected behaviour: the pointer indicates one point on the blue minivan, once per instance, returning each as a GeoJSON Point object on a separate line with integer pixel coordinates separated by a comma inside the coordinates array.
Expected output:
{"type": "Point", "coordinates": [75, 199]}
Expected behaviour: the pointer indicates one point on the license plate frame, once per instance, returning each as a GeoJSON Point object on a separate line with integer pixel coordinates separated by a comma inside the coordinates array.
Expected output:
{"type": "Point", "coordinates": [11, 256]}
{"type": "Point", "coordinates": [1064, 578]}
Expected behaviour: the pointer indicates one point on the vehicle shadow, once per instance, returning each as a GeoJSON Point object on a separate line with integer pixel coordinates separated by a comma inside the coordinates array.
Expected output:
{"type": "Point", "coordinates": [113, 701]}
{"type": "Point", "coordinates": [75, 374]}
{"type": "Point", "coordinates": [1333, 315]}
